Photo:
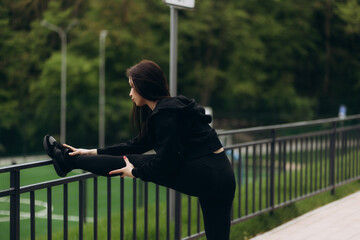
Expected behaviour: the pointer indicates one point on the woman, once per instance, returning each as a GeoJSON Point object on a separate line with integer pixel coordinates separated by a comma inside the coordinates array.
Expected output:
{"type": "Point", "coordinates": [188, 155]}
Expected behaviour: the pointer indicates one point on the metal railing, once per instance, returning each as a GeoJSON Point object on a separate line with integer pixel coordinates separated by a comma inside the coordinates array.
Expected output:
{"type": "Point", "coordinates": [274, 166]}
{"type": "Point", "coordinates": [285, 163]}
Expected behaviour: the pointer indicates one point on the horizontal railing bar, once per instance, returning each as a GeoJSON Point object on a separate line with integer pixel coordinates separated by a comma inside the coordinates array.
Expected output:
{"type": "Point", "coordinates": [289, 125]}
{"type": "Point", "coordinates": [194, 236]}
{"type": "Point", "coordinates": [313, 134]}
{"type": "Point", "coordinates": [55, 182]}
{"type": "Point", "coordinates": [6, 192]}
{"type": "Point", "coordinates": [251, 215]}
{"type": "Point", "coordinates": [25, 166]}
{"type": "Point", "coordinates": [247, 144]}
{"type": "Point", "coordinates": [268, 140]}
{"type": "Point", "coordinates": [347, 128]}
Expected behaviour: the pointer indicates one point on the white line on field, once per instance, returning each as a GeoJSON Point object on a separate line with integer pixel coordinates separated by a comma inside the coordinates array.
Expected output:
{"type": "Point", "coordinates": [39, 214]}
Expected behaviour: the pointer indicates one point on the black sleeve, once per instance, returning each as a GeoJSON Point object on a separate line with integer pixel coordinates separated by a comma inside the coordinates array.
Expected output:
{"type": "Point", "coordinates": [133, 146]}
{"type": "Point", "coordinates": [168, 149]}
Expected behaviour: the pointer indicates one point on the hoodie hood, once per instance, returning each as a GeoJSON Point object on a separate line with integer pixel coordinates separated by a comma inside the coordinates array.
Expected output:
{"type": "Point", "coordinates": [182, 103]}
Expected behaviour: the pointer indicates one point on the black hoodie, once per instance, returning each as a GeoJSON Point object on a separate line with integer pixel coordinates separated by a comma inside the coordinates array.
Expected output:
{"type": "Point", "coordinates": [178, 131]}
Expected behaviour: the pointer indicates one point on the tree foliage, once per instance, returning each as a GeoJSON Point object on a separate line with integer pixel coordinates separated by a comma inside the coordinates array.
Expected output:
{"type": "Point", "coordinates": [256, 62]}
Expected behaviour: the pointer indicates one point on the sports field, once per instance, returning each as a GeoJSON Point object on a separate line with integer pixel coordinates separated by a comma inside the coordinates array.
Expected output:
{"type": "Point", "coordinates": [46, 173]}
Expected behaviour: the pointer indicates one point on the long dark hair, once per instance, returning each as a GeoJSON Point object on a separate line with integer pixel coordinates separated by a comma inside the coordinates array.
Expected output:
{"type": "Point", "coordinates": [150, 82]}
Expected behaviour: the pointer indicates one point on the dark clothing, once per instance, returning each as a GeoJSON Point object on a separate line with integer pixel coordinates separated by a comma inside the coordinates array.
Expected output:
{"type": "Point", "coordinates": [179, 131]}
{"type": "Point", "coordinates": [184, 143]}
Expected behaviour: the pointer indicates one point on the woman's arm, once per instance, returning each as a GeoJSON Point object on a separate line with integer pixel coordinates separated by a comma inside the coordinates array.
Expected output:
{"type": "Point", "coordinates": [80, 151]}
{"type": "Point", "coordinates": [134, 146]}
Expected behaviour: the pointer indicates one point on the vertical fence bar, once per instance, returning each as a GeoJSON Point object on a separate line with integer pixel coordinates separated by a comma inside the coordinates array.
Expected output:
{"type": "Point", "coordinates": [317, 161]}
{"type": "Point", "coordinates": [332, 157]}
{"type": "Point", "coordinates": [122, 209]}
{"type": "Point", "coordinates": [260, 177]}
{"type": "Point", "coordinates": [198, 215]}
{"type": "Point", "coordinates": [134, 208]}
{"type": "Point", "coordinates": [15, 205]}
{"type": "Point", "coordinates": [177, 215]}
{"type": "Point", "coordinates": [49, 213]}
{"type": "Point", "coordinates": [353, 153]}
{"type": "Point", "coordinates": [285, 172]}
{"type": "Point", "coordinates": [272, 169]}
{"type": "Point", "coordinates": [254, 178]}
{"type": "Point", "coordinates": [246, 180]}
{"type": "Point", "coordinates": [95, 210]}
{"type": "Point", "coordinates": [347, 157]}
{"type": "Point", "coordinates": [337, 160]}
{"type": "Point", "coordinates": [296, 167]}
{"type": "Point", "coordinates": [84, 199]}
{"type": "Point", "coordinates": [267, 176]}
{"type": "Point", "coordinates": [108, 194]}
{"type": "Point", "coordinates": [233, 166]}
{"type": "Point", "coordinates": [167, 214]}
{"type": "Point", "coordinates": [81, 209]}
{"type": "Point", "coordinates": [321, 162]}
{"type": "Point", "coordinates": [279, 174]}
{"type": "Point", "coordinates": [32, 215]}
{"type": "Point", "coordinates": [342, 168]}
{"type": "Point", "coordinates": [290, 169]}
{"type": "Point", "coordinates": [306, 164]}
{"type": "Point", "coordinates": [357, 152]}
{"type": "Point", "coordinates": [65, 211]}
{"type": "Point", "coordinates": [239, 181]}
{"type": "Point", "coordinates": [301, 166]}
{"type": "Point", "coordinates": [327, 157]}
{"type": "Point", "coordinates": [157, 223]}
{"type": "Point", "coordinates": [348, 153]}
{"type": "Point", "coordinates": [189, 216]}
{"type": "Point", "coordinates": [146, 210]}
{"type": "Point", "coordinates": [311, 163]}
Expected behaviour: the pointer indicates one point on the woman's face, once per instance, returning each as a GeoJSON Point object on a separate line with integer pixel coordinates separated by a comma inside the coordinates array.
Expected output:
{"type": "Point", "coordinates": [135, 96]}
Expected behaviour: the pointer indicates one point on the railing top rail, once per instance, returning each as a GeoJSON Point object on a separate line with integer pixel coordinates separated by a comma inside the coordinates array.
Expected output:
{"type": "Point", "coordinates": [289, 125]}
{"type": "Point", "coordinates": [25, 166]}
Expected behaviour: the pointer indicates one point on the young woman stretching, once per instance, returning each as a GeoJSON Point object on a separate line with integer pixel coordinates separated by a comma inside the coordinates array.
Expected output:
{"type": "Point", "coordinates": [188, 158]}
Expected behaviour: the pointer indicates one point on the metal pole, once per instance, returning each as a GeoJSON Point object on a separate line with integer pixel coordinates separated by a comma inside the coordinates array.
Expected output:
{"type": "Point", "coordinates": [173, 50]}
{"type": "Point", "coordinates": [103, 34]}
{"type": "Point", "coordinates": [62, 34]}
{"type": "Point", "coordinates": [63, 86]}
{"type": "Point", "coordinates": [173, 83]}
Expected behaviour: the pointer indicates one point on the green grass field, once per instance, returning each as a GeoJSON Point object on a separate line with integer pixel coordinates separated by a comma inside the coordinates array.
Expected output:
{"type": "Point", "coordinates": [46, 173]}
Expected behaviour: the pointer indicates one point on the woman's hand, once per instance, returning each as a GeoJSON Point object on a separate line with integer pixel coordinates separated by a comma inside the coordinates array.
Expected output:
{"type": "Point", "coordinates": [80, 151]}
{"type": "Point", "coordinates": [125, 171]}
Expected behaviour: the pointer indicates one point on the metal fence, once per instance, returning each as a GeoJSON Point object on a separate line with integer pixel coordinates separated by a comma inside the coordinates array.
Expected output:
{"type": "Point", "coordinates": [274, 166]}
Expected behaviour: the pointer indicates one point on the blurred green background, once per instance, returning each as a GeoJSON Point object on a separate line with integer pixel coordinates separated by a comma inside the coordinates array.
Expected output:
{"type": "Point", "coordinates": [254, 62]}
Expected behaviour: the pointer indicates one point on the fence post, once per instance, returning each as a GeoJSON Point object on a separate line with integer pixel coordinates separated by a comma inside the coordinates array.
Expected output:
{"type": "Point", "coordinates": [272, 169]}
{"type": "Point", "coordinates": [15, 205]}
{"type": "Point", "coordinates": [332, 157]}
{"type": "Point", "coordinates": [177, 215]}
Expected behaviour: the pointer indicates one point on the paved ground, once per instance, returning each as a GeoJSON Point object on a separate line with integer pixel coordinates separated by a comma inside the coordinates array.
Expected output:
{"type": "Point", "coordinates": [339, 220]}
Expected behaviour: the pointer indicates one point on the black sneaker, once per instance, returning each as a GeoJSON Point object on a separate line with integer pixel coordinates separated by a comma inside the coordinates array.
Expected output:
{"type": "Point", "coordinates": [49, 144]}
{"type": "Point", "coordinates": [57, 152]}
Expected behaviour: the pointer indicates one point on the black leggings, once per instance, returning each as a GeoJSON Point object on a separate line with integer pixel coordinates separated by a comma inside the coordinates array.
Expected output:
{"type": "Point", "coordinates": [210, 178]}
